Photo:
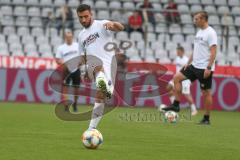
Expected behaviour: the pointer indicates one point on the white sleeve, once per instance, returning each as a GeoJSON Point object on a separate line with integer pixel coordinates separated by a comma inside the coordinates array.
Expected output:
{"type": "Point", "coordinates": [212, 38]}
{"type": "Point", "coordinates": [108, 32]}
{"type": "Point", "coordinates": [59, 53]}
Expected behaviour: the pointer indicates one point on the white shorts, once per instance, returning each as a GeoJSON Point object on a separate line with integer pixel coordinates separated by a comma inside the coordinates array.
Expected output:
{"type": "Point", "coordinates": [185, 86]}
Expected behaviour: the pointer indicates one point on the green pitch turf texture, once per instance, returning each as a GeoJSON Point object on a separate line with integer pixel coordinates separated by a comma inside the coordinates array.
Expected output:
{"type": "Point", "coordinates": [33, 132]}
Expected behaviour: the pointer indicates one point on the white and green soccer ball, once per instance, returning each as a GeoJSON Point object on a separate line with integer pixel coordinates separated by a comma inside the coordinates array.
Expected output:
{"type": "Point", "coordinates": [92, 138]}
{"type": "Point", "coordinates": [171, 117]}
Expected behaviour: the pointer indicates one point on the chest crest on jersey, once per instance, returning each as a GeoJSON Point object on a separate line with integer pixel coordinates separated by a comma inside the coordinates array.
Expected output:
{"type": "Point", "coordinates": [90, 39]}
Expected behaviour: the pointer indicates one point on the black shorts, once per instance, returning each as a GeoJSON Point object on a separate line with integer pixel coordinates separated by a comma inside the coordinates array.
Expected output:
{"type": "Point", "coordinates": [193, 73]}
{"type": "Point", "coordinates": [73, 78]}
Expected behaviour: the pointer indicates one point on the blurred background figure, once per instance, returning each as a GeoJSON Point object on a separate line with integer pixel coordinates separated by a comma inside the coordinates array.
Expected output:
{"type": "Point", "coordinates": [171, 14]}
{"type": "Point", "coordinates": [65, 20]}
{"type": "Point", "coordinates": [135, 22]}
{"type": "Point", "coordinates": [150, 15]}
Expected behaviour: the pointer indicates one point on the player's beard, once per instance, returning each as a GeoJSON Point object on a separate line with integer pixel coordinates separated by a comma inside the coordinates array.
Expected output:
{"type": "Point", "coordinates": [87, 25]}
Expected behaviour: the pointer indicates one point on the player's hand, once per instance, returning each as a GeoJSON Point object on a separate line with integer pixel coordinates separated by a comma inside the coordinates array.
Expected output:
{"type": "Point", "coordinates": [207, 73]}
{"type": "Point", "coordinates": [109, 25]}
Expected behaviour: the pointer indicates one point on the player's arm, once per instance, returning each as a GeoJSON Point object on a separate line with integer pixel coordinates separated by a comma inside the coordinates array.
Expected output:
{"type": "Point", "coordinates": [114, 26]}
{"type": "Point", "coordinates": [213, 52]}
{"type": "Point", "coordinates": [59, 61]}
{"type": "Point", "coordinates": [189, 61]}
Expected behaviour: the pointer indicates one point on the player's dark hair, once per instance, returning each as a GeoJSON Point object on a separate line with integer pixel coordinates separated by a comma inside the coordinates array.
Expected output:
{"type": "Point", "coordinates": [203, 14]}
{"type": "Point", "coordinates": [83, 7]}
{"type": "Point", "coordinates": [180, 48]}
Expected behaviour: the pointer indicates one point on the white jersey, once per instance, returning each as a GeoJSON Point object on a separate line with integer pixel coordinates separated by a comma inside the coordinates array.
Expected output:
{"type": "Point", "coordinates": [180, 62]}
{"type": "Point", "coordinates": [204, 39]}
{"type": "Point", "coordinates": [92, 40]}
{"type": "Point", "coordinates": [67, 52]}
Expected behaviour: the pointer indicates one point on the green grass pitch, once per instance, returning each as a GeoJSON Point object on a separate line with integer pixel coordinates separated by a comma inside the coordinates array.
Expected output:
{"type": "Point", "coordinates": [33, 132]}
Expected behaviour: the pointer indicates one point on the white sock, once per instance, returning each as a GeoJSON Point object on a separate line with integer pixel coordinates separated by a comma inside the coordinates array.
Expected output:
{"type": "Point", "coordinates": [172, 98]}
{"type": "Point", "coordinates": [100, 74]}
{"type": "Point", "coordinates": [96, 115]}
{"type": "Point", "coordinates": [193, 107]}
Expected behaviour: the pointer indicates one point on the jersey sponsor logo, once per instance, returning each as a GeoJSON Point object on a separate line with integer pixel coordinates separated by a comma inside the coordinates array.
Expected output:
{"type": "Point", "coordinates": [69, 53]}
{"type": "Point", "coordinates": [90, 39]}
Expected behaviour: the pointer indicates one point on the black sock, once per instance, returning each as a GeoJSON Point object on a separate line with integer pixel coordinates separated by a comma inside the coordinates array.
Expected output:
{"type": "Point", "coordinates": [206, 117]}
{"type": "Point", "coordinates": [176, 103]}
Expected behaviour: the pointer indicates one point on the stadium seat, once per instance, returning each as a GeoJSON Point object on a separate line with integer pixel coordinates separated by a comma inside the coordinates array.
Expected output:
{"type": "Point", "coordinates": [35, 22]}
{"type": "Point", "coordinates": [101, 4]}
{"type": "Point", "coordinates": [20, 11]}
{"type": "Point", "coordinates": [161, 28]}
{"type": "Point", "coordinates": [151, 37]}
{"type": "Point", "coordinates": [141, 45]}
{"type": "Point", "coordinates": [7, 21]}
{"type": "Point", "coordinates": [27, 39]}
{"type": "Point", "coordinates": [46, 3]}
{"type": "Point", "coordinates": [207, 2]}
{"type": "Point", "coordinates": [23, 31]}
{"type": "Point", "coordinates": [88, 2]}
{"type": "Point", "coordinates": [177, 38]}
{"type": "Point", "coordinates": [196, 8]}
{"type": "Point", "coordinates": [9, 30]}
{"type": "Point", "coordinates": [183, 8]}
{"type": "Point", "coordinates": [163, 37]}
{"type": "Point", "coordinates": [125, 17]}
{"type": "Point", "coordinates": [237, 21]}
{"type": "Point", "coordinates": [122, 35]}
{"type": "Point", "coordinates": [59, 3]}
{"type": "Point", "coordinates": [18, 2]}
{"type": "Point", "coordinates": [73, 3]}
{"type": "Point", "coordinates": [3, 48]}
{"type": "Point", "coordinates": [56, 41]}
{"type": "Point", "coordinates": [117, 16]}
{"type": "Point", "coordinates": [190, 38]}
{"type": "Point", "coordinates": [31, 50]}
{"type": "Point", "coordinates": [186, 19]}
{"type": "Point", "coordinates": [210, 9]}
{"type": "Point", "coordinates": [180, 1]}
{"type": "Point", "coordinates": [187, 47]}
{"type": "Point", "coordinates": [136, 36]}
{"type": "Point", "coordinates": [150, 58]}
{"type": "Point", "coordinates": [213, 20]}
{"type": "Point", "coordinates": [171, 47]}
{"type": "Point", "coordinates": [7, 10]}
{"type": "Point", "coordinates": [6, 2]}
{"type": "Point", "coordinates": [218, 29]}
{"type": "Point", "coordinates": [37, 31]}
{"type": "Point", "coordinates": [16, 49]}
{"type": "Point", "coordinates": [188, 29]}
{"type": "Point", "coordinates": [22, 21]}
{"type": "Point", "coordinates": [220, 2]}
{"type": "Point", "coordinates": [32, 2]}
{"type": "Point", "coordinates": [2, 38]}
{"type": "Point", "coordinates": [233, 3]}
{"type": "Point", "coordinates": [13, 38]}
{"type": "Point", "coordinates": [45, 11]}
{"type": "Point", "coordinates": [223, 10]}
{"type": "Point", "coordinates": [149, 28]}
{"type": "Point", "coordinates": [227, 20]}
{"type": "Point", "coordinates": [34, 11]}
{"type": "Point", "coordinates": [164, 60]}
{"type": "Point", "coordinates": [45, 50]}
{"type": "Point", "coordinates": [41, 40]}
{"type": "Point", "coordinates": [103, 14]}
{"type": "Point", "coordinates": [232, 30]}
{"type": "Point", "coordinates": [191, 2]}
{"type": "Point", "coordinates": [174, 28]}
{"type": "Point", "coordinates": [236, 10]}
{"type": "Point", "coordinates": [129, 5]}
{"type": "Point", "coordinates": [157, 6]}
{"type": "Point", "coordinates": [157, 45]}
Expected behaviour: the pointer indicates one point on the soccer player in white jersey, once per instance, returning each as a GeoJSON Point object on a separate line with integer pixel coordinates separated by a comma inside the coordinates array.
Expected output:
{"type": "Point", "coordinates": [67, 54]}
{"type": "Point", "coordinates": [200, 66]}
{"type": "Point", "coordinates": [180, 61]}
{"type": "Point", "coordinates": [92, 39]}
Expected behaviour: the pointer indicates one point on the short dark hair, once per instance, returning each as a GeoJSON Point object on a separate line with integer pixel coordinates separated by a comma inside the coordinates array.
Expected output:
{"type": "Point", "coordinates": [203, 14]}
{"type": "Point", "coordinates": [180, 48]}
{"type": "Point", "coordinates": [83, 7]}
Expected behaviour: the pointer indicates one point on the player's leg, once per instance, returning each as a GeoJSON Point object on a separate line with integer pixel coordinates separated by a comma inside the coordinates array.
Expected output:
{"type": "Point", "coordinates": [186, 84]}
{"type": "Point", "coordinates": [170, 90]}
{"type": "Point", "coordinates": [184, 74]}
{"type": "Point", "coordinates": [76, 83]}
{"type": "Point", "coordinates": [206, 85]}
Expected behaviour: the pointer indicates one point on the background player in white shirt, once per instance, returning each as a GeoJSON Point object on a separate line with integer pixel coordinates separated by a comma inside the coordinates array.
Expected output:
{"type": "Point", "coordinates": [68, 55]}
{"type": "Point", "coordinates": [180, 61]}
{"type": "Point", "coordinates": [92, 39]}
{"type": "Point", "coordinates": [200, 65]}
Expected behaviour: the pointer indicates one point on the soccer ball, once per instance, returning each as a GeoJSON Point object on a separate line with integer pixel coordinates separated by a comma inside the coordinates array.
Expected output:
{"type": "Point", "coordinates": [92, 138]}
{"type": "Point", "coordinates": [171, 117]}
{"type": "Point", "coordinates": [161, 106]}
